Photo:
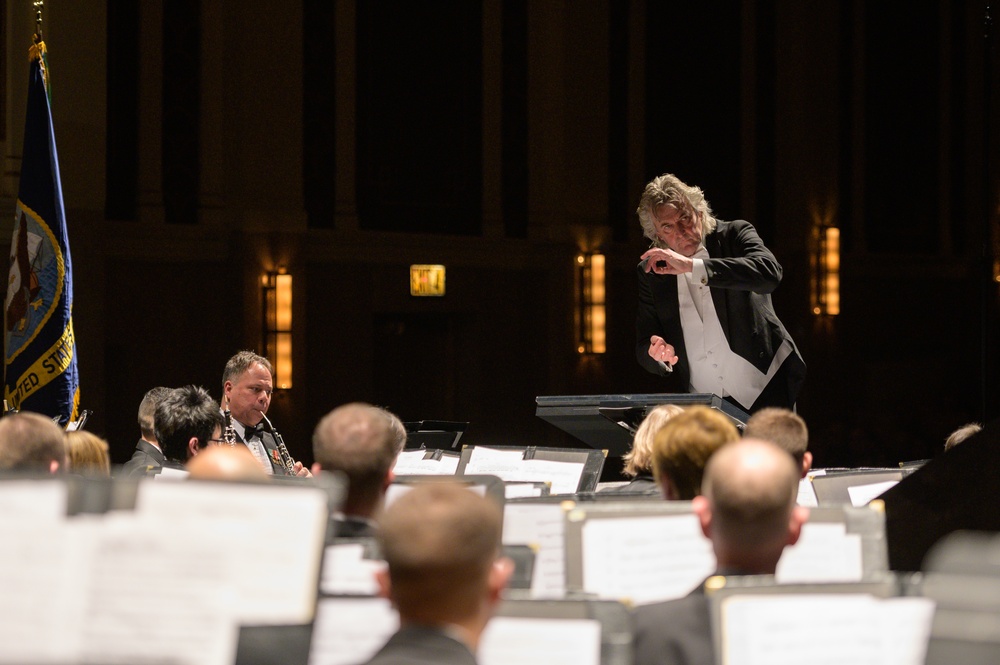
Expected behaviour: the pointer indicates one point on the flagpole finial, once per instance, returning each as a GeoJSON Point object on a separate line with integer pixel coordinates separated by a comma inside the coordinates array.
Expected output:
{"type": "Point", "coordinates": [38, 5]}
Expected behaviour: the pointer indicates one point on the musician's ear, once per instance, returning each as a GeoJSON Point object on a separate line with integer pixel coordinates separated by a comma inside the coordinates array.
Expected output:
{"type": "Point", "coordinates": [384, 584]}
{"type": "Point", "coordinates": [193, 447]}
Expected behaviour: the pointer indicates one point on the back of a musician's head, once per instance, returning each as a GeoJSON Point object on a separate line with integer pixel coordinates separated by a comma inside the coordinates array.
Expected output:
{"type": "Point", "coordinates": [961, 434]}
{"type": "Point", "coordinates": [88, 454]}
{"type": "Point", "coordinates": [440, 541]}
{"type": "Point", "coordinates": [223, 462]}
{"type": "Point", "coordinates": [31, 442]}
{"type": "Point", "coordinates": [639, 458]}
{"type": "Point", "coordinates": [397, 430]}
{"type": "Point", "coordinates": [782, 427]}
{"type": "Point", "coordinates": [683, 446]}
{"type": "Point", "coordinates": [147, 411]}
{"type": "Point", "coordinates": [751, 488]}
{"type": "Point", "coordinates": [358, 440]}
{"type": "Point", "coordinates": [183, 414]}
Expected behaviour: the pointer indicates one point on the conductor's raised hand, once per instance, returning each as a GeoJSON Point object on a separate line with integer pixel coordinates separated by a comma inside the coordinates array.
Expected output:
{"type": "Point", "coordinates": [666, 262]}
{"type": "Point", "coordinates": [660, 350]}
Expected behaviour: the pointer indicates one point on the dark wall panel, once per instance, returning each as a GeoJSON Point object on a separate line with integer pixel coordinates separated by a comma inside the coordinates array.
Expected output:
{"type": "Point", "coordinates": [419, 117]}
{"type": "Point", "coordinates": [181, 110]}
{"type": "Point", "coordinates": [122, 167]}
{"type": "Point", "coordinates": [693, 98]}
{"type": "Point", "coordinates": [318, 111]}
{"type": "Point", "coordinates": [902, 127]}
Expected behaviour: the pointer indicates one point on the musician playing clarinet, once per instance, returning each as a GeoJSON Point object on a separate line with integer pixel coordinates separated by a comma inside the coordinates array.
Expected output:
{"type": "Point", "coordinates": [246, 390]}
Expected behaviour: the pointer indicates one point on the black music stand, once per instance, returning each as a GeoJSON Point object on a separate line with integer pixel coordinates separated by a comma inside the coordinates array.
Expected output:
{"type": "Point", "coordinates": [609, 421]}
{"type": "Point", "coordinates": [438, 434]}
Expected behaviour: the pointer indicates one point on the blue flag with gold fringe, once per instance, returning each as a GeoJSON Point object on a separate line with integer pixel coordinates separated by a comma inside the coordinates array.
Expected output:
{"type": "Point", "coordinates": [40, 360]}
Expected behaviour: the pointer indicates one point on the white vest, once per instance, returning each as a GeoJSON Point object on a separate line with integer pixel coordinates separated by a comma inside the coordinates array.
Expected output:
{"type": "Point", "coordinates": [714, 367]}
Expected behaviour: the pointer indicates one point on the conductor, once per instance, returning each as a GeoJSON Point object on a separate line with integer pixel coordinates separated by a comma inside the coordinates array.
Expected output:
{"type": "Point", "coordinates": [705, 320]}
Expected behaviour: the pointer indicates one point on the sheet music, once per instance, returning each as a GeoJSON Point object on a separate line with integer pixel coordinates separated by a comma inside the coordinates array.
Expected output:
{"type": "Point", "coordinates": [541, 526]}
{"type": "Point", "coordinates": [807, 495]}
{"type": "Point", "coordinates": [511, 465]}
{"type": "Point", "coordinates": [825, 553]}
{"type": "Point", "coordinates": [862, 494]}
{"type": "Point", "coordinates": [157, 595]}
{"type": "Point", "coordinates": [535, 641]}
{"type": "Point", "coordinates": [906, 630]}
{"type": "Point", "coordinates": [347, 572]}
{"type": "Point", "coordinates": [412, 463]}
{"type": "Point", "coordinates": [33, 499]}
{"type": "Point", "coordinates": [168, 473]}
{"type": "Point", "coordinates": [397, 490]}
{"type": "Point", "coordinates": [275, 540]}
{"type": "Point", "coordinates": [113, 590]}
{"type": "Point", "coordinates": [645, 559]}
{"type": "Point", "coordinates": [43, 565]}
{"type": "Point", "coordinates": [521, 490]}
{"type": "Point", "coordinates": [787, 629]}
{"type": "Point", "coordinates": [349, 631]}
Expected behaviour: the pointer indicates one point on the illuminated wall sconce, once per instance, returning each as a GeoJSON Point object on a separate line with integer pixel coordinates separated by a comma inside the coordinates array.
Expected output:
{"type": "Point", "coordinates": [590, 304]}
{"type": "Point", "coordinates": [825, 296]}
{"type": "Point", "coordinates": [277, 292]}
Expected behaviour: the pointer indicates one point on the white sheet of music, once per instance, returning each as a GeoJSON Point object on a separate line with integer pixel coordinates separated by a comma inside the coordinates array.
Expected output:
{"type": "Point", "coordinates": [533, 641]}
{"type": "Point", "coordinates": [43, 565]}
{"type": "Point", "coordinates": [563, 476]}
{"type": "Point", "coordinates": [645, 559]}
{"type": "Point", "coordinates": [862, 494]}
{"type": "Point", "coordinates": [167, 473]}
{"type": "Point", "coordinates": [34, 499]}
{"type": "Point", "coordinates": [521, 490]}
{"type": "Point", "coordinates": [349, 631]}
{"type": "Point", "coordinates": [906, 630]}
{"type": "Point", "coordinates": [158, 594]}
{"type": "Point", "coordinates": [511, 465]}
{"type": "Point", "coordinates": [825, 553]}
{"type": "Point", "coordinates": [274, 540]}
{"type": "Point", "coordinates": [346, 572]}
{"type": "Point", "coordinates": [412, 463]}
{"type": "Point", "coordinates": [113, 590]}
{"type": "Point", "coordinates": [397, 490]}
{"type": "Point", "coordinates": [540, 525]}
{"type": "Point", "coordinates": [823, 629]}
{"type": "Point", "coordinates": [807, 495]}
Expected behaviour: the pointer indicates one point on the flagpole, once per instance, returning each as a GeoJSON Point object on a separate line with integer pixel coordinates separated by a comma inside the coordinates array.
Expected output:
{"type": "Point", "coordinates": [38, 5]}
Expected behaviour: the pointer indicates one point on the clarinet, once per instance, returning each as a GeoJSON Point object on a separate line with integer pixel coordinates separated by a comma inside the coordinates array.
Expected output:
{"type": "Point", "coordinates": [287, 463]}
{"type": "Point", "coordinates": [229, 433]}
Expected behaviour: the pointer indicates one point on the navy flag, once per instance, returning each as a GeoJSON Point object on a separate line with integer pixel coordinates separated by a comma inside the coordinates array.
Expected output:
{"type": "Point", "coordinates": [39, 348]}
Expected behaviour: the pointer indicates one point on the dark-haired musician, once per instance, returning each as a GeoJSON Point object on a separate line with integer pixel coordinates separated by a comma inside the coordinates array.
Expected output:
{"type": "Point", "coordinates": [247, 388]}
{"type": "Point", "coordinates": [186, 420]}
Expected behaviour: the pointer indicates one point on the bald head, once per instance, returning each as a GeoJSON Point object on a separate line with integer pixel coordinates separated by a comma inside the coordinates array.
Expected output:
{"type": "Point", "coordinates": [748, 506]}
{"type": "Point", "coordinates": [440, 541]}
{"type": "Point", "coordinates": [226, 463]}
{"type": "Point", "coordinates": [358, 440]}
{"type": "Point", "coordinates": [31, 442]}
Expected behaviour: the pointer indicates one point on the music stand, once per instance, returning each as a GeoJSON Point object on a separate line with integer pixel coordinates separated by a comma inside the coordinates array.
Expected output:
{"type": "Point", "coordinates": [609, 421]}
{"type": "Point", "coordinates": [439, 434]}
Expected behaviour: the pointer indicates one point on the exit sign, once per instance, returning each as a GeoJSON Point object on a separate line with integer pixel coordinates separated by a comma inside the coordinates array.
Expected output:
{"type": "Point", "coordinates": [426, 280]}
